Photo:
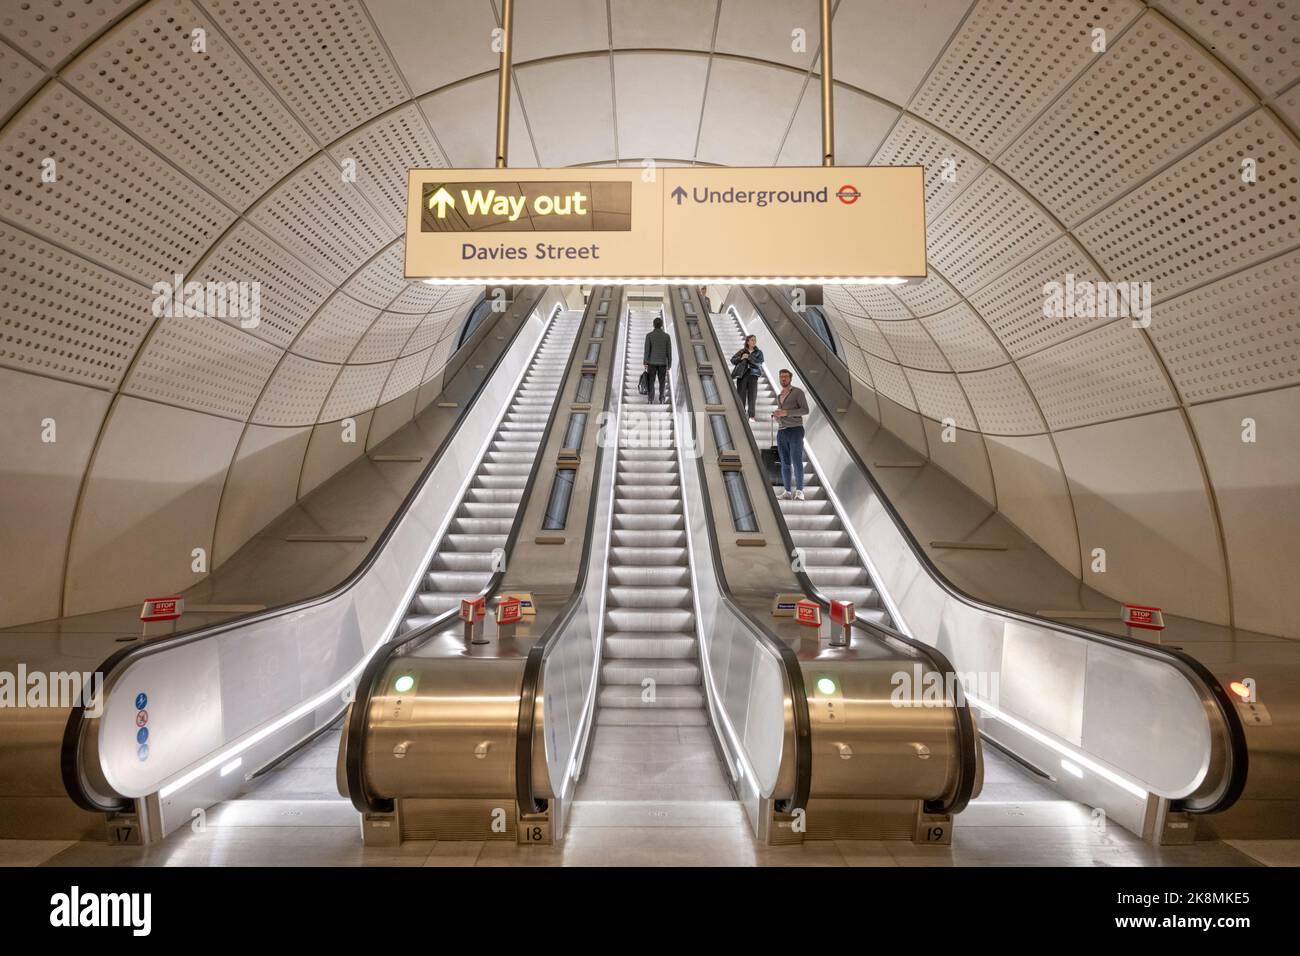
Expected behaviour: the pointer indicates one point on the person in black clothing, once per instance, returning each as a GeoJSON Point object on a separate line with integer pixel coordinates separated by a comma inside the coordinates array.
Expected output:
{"type": "Point", "coordinates": [746, 367]}
{"type": "Point", "coordinates": [658, 358]}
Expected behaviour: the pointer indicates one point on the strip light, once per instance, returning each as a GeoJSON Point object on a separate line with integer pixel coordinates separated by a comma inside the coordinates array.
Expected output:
{"type": "Point", "coordinates": [671, 280]}
{"type": "Point", "coordinates": [1076, 756]}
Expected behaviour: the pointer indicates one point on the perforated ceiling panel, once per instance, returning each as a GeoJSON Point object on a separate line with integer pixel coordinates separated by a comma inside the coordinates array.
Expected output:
{"type": "Point", "coordinates": [949, 166]}
{"type": "Point", "coordinates": [356, 391]}
{"type": "Point", "coordinates": [888, 379]}
{"type": "Point", "coordinates": [1001, 402]}
{"type": "Point", "coordinates": [939, 397]}
{"type": "Point", "coordinates": [877, 302]}
{"type": "Point", "coordinates": [1014, 305]}
{"type": "Point", "coordinates": [380, 280]}
{"type": "Point", "coordinates": [438, 358]}
{"type": "Point", "coordinates": [295, 393]}
{"type": "Point", "coordinates": [1239, 335]}
{"type": "Point", "coordinates": [418, 297]}
{"type": "Point", "coordinates": [383, 151]}
{"type": "Point", "coordinates": [967, 342]}
{"type": "Point", "coordinates": [431, 328]}
{"type": "Point", "coordinates": [1153, 87]}
{"type": "Point", "coordinates": [1104, 374]}
{"type": "Point", "coordinates": [1259, 38]}
{"type": "Point", "coordinates": [322, 220]}
{"type": "Point", "coordinates": [288, 292]}
{"type": "Point", "coordinates": [987, 229]}
{"type": "Point", "coordinates": [868, 335]}
{"type": "Point", "coordinates": [322, 56]}
{"type": "Point", "coordinates": [913, 346]}
{"type": "Point", "coordinates": [63, 316]}
{"type": "Point", "coordinates": [146, 219]}
{"type": "Point", "coordinates": [18, 77]}
{"type": "Point", "coordinates": [50, 31]}
{"type": "Point", "coordinates": [932, 294]}
{"type": "Point", "coordinates": [1198, 219]}
{"type": "Point", "coordinates": [206, 111]}
{"type": "Point", "coordinates": [404, 376]}
{"type": "Point", "coordinates": [386, 337]}
{"type": "Point", "coordinates": [336, 329]}
{"type": "Point", "coordinates": [1007, 63]}
{"type": "Point", "coordinates": [207, 366]}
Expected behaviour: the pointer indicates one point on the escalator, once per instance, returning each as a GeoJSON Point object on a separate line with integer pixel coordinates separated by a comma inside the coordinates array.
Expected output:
{"type": "Point", "coordinates": [650, 672]}
{"type": "Point", "coordinates": [475, 543]}
{"type": "Point", "coordinates": [816, 527]}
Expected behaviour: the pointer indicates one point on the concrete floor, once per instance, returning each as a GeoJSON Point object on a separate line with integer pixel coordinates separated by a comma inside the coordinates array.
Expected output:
{"type": "Point", "coordinates": [294, 818]}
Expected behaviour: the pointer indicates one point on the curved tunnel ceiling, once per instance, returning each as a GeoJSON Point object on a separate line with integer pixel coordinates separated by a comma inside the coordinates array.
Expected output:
{"type": "Point", "coordinates": [1044, 157]}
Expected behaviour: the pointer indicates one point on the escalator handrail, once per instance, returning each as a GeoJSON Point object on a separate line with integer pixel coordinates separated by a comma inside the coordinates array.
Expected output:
{"type": "Point", "coordinates": [525, 726]}
{"type": "Point", "coordinates": [967, 744]}
{"type": "Point", "coordinates": [789, 661]}
{"type": "Point", "coordinates": [358, 718]}
{"type": "Point", "coordinates": [1191, 667]}
{"type": "Point", "coordinates": [75, 728]}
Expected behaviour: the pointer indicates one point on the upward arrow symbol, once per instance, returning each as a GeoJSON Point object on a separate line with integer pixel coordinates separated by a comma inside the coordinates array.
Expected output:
{"type": "Point", "coordinates": [679, 194]}
{"type": "Point", "coordinates": [442, 199]}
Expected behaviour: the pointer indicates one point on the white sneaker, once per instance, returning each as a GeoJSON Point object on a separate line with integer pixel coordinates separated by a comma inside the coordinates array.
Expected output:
{"type": "Point", "coordinates": [783, 495]}
{"type": "Point", "coordinates": [798, 496]}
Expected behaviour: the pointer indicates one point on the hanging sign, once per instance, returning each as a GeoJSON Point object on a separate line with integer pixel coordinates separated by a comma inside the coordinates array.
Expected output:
{"type": "Point", "coordinates": [814, 224]}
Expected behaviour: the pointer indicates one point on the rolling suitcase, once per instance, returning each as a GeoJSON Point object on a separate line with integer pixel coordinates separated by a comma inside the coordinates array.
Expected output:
{"type": "Point", "coordinates": [772, 461]}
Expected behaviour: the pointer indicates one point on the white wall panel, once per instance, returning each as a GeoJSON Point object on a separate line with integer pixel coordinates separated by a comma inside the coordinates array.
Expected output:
{"type": "Point", "coordinates": [939, 397]}
{"type": "Point", "coordinates": [964, 457]}
{"type": "Point", "coordinates": [659, 98]}
{"type": "Point", "coordinates": [40, 482]}
{"type": "Point", "coordinates": [327, 452]}
{"type": "Point", "coordinates": [436, 42]}
{"type": "Point", "coordinates": [296, 392]}
{"type": "Point", "coordinates": [746, 112]}
{"type": "Point", "coordinates": [762, 29]}
{"type": "Point", "coordinates": [1139, 494]}
{"type": "Point", "coordinates": [570, 109]}
{"type": "Point", "coordinates": [681, 24]}
{"type": "Point", "coordinates": [966, 340]}
{"type": "Point", "coordinates": [949, 166]}
{"type": "Point", "coordinates": [913, 345]}
{"type": "Point", "coordinates": [355, 390]}
{"type": "Point", "coordinates": [860, 126]}
{"type": "Point", "coordinates": [886, 47]}
{"type": "Point", "coordinates": [262, 482]}
{"type": "Point", "coordinates": [1033, 495]}
{"type": "Point", "coordinates": [927, 296]}
{"type": "Point", "coordinates": [464, 120]}
{"type": "Point", "coordinates": [1259, 503]}
{"type": "Point", "coordinates": [150, 498]}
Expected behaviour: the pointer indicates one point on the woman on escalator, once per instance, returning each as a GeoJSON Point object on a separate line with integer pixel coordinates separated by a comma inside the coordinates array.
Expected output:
{"type": "Point", "coordinates": [746, 367]}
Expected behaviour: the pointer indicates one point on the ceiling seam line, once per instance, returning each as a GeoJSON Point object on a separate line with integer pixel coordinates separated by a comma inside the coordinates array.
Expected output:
{"type": "Point", "coordinates": [708, 77]}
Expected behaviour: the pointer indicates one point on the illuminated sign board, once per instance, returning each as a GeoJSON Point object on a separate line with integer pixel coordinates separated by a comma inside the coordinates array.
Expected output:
{"type": "Point", "coordinates": [821, 225]}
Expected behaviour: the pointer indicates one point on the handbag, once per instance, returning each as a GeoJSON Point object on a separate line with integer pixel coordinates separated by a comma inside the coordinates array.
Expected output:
{"type": "Point", "coordinates": [643, 384]}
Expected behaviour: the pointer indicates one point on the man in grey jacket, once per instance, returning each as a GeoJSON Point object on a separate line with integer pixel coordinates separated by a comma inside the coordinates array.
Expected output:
{"type": "Point", "coordinates": [658, 357]}
{"type": "Point", "coordinates": [791, 408]}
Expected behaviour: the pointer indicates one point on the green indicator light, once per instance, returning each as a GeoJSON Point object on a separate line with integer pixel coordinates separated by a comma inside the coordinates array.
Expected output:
{"type": "Point", "coordinates": [403, 683]}
{"type": "Point", "coordinates": [825, 685]}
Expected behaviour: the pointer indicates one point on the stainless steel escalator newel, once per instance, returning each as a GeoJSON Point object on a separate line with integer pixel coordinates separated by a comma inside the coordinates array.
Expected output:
{"type": "Point", "coordinates": [842, 617]}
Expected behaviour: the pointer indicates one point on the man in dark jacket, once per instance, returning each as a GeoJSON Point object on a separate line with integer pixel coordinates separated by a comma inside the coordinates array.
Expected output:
{"type": "Point", "coordinates": [658, 357]}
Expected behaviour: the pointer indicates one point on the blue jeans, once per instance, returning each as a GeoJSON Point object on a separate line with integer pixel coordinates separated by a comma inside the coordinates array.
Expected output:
{"type": "Point", "coordinates": [789, 443]}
